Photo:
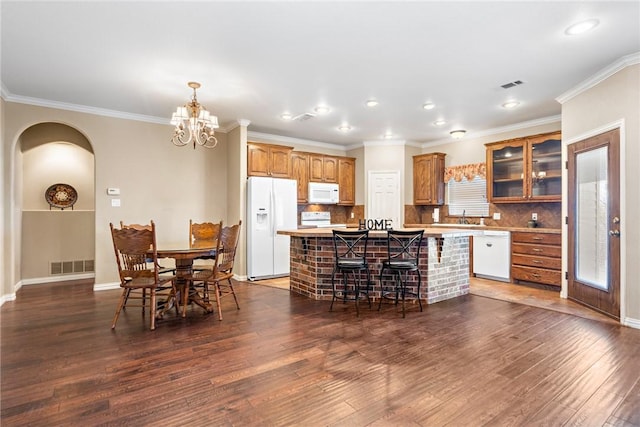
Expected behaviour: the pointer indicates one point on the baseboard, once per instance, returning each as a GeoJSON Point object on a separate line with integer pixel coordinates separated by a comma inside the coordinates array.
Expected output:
{"type": "Point", "coordinates": [52, 279]}
{"type": "Point", "coordinates": [240, 278]}
{"type": "Point", "coordinates": [632, 323]}
{"type": "Point", "coordinates": [106, 286]}
{"type": "Point", "coordinates": [8, 297]}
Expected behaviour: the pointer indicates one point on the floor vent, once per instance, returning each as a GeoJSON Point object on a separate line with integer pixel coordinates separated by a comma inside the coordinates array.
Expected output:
{"type": "Point", "coordinates": [512, 84]}
{"type": "Point", "coordinates": [71, 267]}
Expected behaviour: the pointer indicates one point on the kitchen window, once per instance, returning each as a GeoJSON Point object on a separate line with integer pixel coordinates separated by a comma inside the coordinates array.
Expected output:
{"type": "Point", "coordinates": [468, 197]}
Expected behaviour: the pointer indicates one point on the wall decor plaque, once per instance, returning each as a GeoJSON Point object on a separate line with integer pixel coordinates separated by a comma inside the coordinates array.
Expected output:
{"type": "Point", "coordinates": [61, 196]}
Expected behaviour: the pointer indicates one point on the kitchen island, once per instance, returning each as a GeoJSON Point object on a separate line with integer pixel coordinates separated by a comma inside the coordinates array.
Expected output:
{"type": "Point", "coordinates": [444, 263]}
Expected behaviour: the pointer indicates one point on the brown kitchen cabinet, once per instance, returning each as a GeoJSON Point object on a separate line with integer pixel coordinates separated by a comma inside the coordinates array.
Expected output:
{"type": "Point", "coordinates": [428, 179]}
{"type": "Point", "coordinates": [523, 170]}
{"type": "Point", "coordinates": [300, 172]}
{"type": "Point", "coordinates": [268, 160]}
{"type": "Point", "coordinates": [536, 258]}
{"type": "Point", "coordinates": [323, 168]}
{"type": "Point", "coordinates": [347, 180]}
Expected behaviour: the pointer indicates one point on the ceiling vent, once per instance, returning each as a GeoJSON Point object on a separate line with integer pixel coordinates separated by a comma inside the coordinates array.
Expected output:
{"type": "Point", "coordinates": [512, 84]}
{"type": "Point", "coordinates": [304, 116]}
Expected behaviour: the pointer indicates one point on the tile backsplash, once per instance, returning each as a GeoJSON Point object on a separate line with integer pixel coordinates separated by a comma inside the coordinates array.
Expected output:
{"type": "Point", "coordinates": [511, 215]}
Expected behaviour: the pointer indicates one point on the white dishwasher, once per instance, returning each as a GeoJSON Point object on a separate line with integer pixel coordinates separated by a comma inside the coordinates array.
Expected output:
{"type": "Point", "coordinates": [492, 255]}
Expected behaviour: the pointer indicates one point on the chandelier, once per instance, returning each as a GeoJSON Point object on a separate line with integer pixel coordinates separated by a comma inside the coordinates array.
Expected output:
{"type": "Point", "coordinates": [194, 124]}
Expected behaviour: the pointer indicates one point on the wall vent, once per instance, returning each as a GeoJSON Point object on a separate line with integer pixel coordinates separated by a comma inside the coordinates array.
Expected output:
{"type": "Point", "coordinates": [71, 267]}
{"type": "Point", "coordinates": [512, 84]}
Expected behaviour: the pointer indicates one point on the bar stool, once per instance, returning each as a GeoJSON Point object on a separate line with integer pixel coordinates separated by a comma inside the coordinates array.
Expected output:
{"type": "Point", "coordinates": [350, 253]}
{"type": "Point", "coordinates": [403, 254]}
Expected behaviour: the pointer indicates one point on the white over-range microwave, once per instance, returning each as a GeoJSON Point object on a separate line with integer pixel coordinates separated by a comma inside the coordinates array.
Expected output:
{"type": "Point", "coordinates": [323, 193]}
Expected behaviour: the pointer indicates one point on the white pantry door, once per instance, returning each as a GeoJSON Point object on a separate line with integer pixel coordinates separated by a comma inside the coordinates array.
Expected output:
{"type": "Point", "coordinates": [383, 197]}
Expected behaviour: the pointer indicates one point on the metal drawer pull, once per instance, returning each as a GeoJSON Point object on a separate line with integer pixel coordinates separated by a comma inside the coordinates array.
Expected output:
{"type": "Point", "coordinates": [537, 250]}
{"type": "Point", "coordinates": [537, 238]}
{"type": "Point", "coordinates": [537, 276]}
{"type": "Point", "coordinates": [537, 261]}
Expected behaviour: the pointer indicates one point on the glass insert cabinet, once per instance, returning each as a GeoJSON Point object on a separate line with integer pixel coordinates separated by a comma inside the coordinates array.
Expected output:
{"type": "Point", "coordinates": [525, 169]}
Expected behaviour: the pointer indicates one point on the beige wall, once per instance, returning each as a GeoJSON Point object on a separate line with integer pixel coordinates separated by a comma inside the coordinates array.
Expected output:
{"type": "Point", "coordinates": [157, 181]}
{"type": "Point", "coordinates": [616, 99]}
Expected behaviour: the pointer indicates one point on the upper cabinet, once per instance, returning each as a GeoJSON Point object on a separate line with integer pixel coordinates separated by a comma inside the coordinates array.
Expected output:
{"type": "Point", "coordinates": [300, 172]}
{"type": "Point", "coordinates": [525, 169]}
{"type": "Point", "coordinates": [268, 160]}
{"type": "Point", "coordinates": [347, 180]}
{"type": "Point", "coordinates": [428, 179]}
{"type": "Point", "coordinates": [323, 168]}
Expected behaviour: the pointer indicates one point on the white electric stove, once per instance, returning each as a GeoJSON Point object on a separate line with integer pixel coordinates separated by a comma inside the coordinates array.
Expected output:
{"type": "Point", "coordinates": [318, 219]}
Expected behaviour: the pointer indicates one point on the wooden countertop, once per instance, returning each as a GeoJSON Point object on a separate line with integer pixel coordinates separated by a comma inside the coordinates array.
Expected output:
{"type": "Point", "coordinates": [484, 227]}
{"type": "Point", "coordinates": [428, 232]}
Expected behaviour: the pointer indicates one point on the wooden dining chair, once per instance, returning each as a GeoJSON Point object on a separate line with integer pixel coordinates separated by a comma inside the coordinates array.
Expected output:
{"type": "Point", "coordinates": [132, 246]}
{"type": "Point", "coordinates": [222, 272]}
{"type": "Point", "coordinates": [202, 235]}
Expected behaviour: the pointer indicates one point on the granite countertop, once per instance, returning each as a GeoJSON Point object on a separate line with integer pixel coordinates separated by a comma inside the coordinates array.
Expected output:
{"type": "Point", "coordinates": [485, 227]}
{"type": "Point", "coordinates": [428, 231]}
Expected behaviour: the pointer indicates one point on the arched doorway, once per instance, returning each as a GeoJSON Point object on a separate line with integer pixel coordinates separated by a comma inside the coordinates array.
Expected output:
{"type": "Point", "coordinates": [57, 243]}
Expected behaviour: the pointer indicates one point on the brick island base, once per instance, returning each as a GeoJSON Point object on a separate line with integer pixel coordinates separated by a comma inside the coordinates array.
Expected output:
{"type": "Point", "coordinates": [444, 264]}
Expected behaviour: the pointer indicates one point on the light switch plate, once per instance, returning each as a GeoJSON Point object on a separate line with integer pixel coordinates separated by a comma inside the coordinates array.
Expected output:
{"type": "Point", "coordinates": [115, 203]}
{"type": "Point", "coordinates": [113, 191]}
{"type": "Point", "coordinates": [496, 215]}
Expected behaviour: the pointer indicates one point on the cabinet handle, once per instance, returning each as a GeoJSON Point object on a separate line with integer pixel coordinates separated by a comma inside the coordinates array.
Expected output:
{"type": "Point", "coordinates": [537, 238]}
{"type": "Point", "coordinates": [537, 261]}
{"type": "Point", "coordinates": [537, 276]}
{"type": "Point", "coordinates": [537, 250]}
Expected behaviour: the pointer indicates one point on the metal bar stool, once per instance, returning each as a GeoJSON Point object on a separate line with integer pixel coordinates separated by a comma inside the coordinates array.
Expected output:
{"type": "Point", "coordinates": [350, 253]}
{"type": "Point", "coordinates": [403, 253]}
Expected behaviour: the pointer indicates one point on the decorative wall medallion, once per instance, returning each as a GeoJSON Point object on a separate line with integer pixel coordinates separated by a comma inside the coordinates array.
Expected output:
{"type": "Point", "coordinates": [61, 196]}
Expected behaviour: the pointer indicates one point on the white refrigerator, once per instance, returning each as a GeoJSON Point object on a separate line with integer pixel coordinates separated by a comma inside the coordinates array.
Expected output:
{"type": "Point", "coordinates": [271, 206]}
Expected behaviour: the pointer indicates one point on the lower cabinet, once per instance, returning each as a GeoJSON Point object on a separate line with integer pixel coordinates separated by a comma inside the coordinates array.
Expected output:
{"type": "Point", "coordinates": [536, 258]}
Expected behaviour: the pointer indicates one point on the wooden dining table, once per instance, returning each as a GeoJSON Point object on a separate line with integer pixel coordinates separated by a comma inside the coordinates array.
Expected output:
{"type": "Point", "coordinates": [184, 258]}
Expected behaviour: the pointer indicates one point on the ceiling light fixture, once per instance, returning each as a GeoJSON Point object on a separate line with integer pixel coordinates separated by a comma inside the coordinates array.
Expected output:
{"type": "Point", "coordinates": [371, 103]}
{"type": "Point", "coordinates": [194, 119]}
{"type": "Point", "coordinates": [344, 128]}
{"type": "Point", "coordinates": [429, 106]}
{"type": "Point", "coordinates": [322, 109]}
{"type": "Point", "coordinates": [457, 134]}
{"type": "Point", "coordinates": [286, 116]}
{"type": "Point", "coordinates": [510, 104]}
{"type": "Point", "coordinates": [388, 135]}
{"type": "Point", "coordinates": [440, 122]}
{"type": "Point", "coordinates": [581, 27]}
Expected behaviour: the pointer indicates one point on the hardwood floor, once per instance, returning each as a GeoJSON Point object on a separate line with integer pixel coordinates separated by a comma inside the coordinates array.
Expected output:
{"type": "Point", "coordinates": [285, 360]}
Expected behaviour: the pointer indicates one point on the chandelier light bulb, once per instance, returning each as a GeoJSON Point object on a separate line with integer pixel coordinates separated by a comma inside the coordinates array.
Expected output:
{"type": "Point", "coordinates": [194, 123]}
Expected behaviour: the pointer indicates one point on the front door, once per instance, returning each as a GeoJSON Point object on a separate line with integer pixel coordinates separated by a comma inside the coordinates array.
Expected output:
{"type": "Point", "coordinates": [594, 222]}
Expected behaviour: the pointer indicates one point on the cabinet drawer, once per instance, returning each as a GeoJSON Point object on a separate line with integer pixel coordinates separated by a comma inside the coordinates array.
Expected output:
{"type": "Point", "coordinates": [537, 261]}
{"type": "Point", "coordinates": [539, 250]}
{"type": "Point", "coordinates": [542, 238]}
{"type": "Point", "coordinates": [531, 274]}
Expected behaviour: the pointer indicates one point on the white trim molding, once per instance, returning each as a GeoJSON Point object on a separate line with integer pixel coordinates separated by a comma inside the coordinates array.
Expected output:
{"type": "Point", "coordinates": [267, 137]}
{"type": "Point", "coordinates": [52, 279]}
{"type": "Point", "coordinates": [106, 286]}
{"type": "Point", "coordinates": [600, 76]}
{"type": "Point", "coordinates": [632, 323]}
{"type": "Point", "coordinates": [8, 297]}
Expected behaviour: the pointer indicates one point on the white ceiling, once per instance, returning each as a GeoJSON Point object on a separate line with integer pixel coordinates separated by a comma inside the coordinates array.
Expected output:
{"type": "Point", "coordinates": [256, 60]}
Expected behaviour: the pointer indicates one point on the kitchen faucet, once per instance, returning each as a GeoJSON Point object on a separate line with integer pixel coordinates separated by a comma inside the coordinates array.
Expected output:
{"type": "Point", "coordinates": [463, 220]}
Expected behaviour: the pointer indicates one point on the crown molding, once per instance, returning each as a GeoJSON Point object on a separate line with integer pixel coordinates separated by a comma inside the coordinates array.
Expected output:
{"type": "Point", "coordinates": [266, 137]}
{"type": "Point", "coordinates": [600, 76]}
{"type": "Point", "coordinates": [232, 125]}
{"type": "Point", "coordinates": [496, 131]}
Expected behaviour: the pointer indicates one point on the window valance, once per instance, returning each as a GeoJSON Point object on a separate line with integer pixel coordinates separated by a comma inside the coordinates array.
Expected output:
{"type": "Point", "coordinates": [469, 171]}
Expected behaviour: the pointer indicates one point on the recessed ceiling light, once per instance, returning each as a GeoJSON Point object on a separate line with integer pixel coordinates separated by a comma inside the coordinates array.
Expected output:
{"type": "Point", "coordinates": [510, 104]}
{"type": "Point", "coordinates": [429, 106]}
{"type": "Point", "coordinates": [440, 122]}
{"type": "Point", "coordinates": [581, 27]}
{"type": "Point", "coordinates": [344, 128]}
{"type": "Point", "coordinates": [371, 103]}
{"type": "Point", "coordinates": [322, 109]}
{"type": "Point", "coordinates": [286, 116]}
{"type": "Point", "coordinates": [457, 134]}
{"type": "Point", "coordinates": [388, 135]}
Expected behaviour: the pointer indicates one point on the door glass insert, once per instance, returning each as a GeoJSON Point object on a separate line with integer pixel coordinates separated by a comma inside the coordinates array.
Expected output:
{"type": "Point", "coordinates": [508, 172]}
{"type": "Point", "coordinates": [592, 231]}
